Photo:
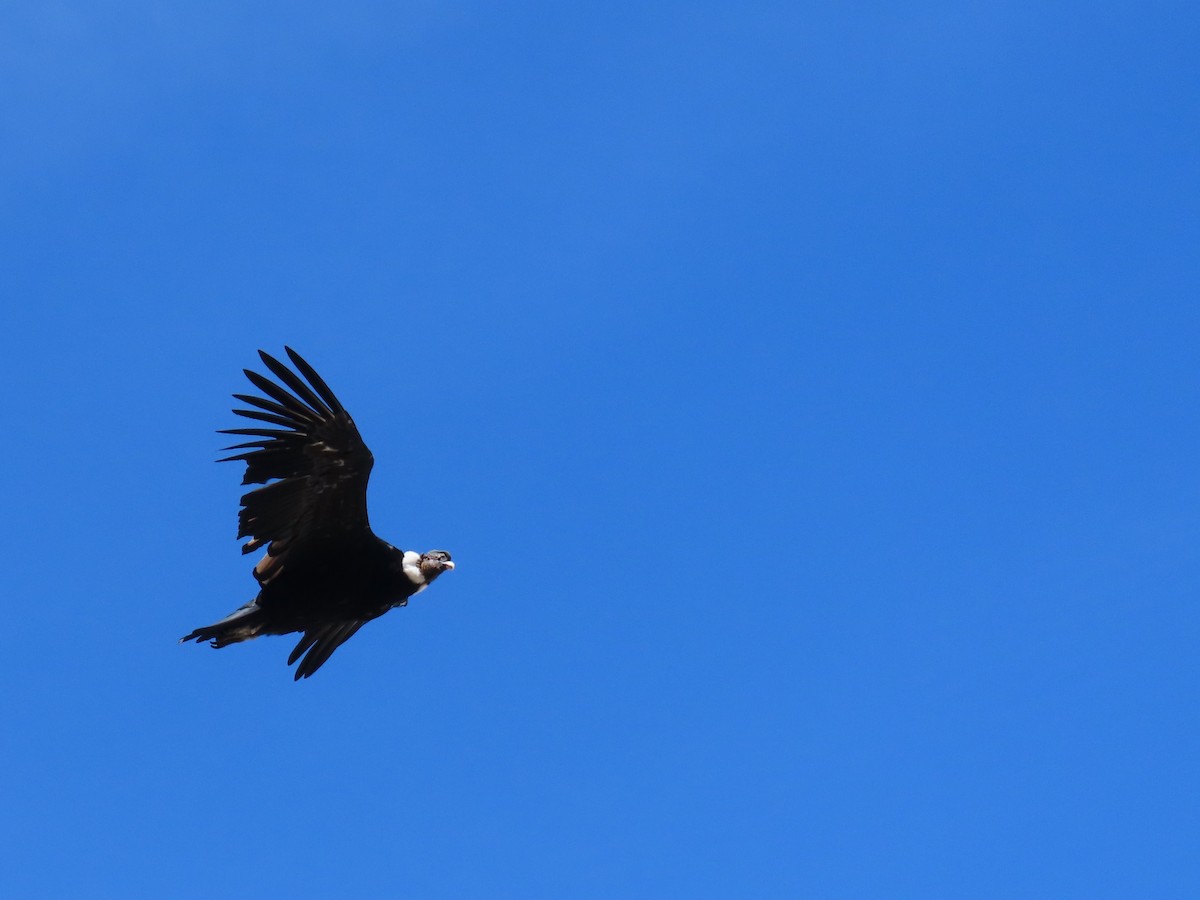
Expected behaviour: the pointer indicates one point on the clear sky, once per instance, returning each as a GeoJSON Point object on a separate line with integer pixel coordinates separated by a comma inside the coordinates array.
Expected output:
{"type": "Point", "coordinates": [808, 393]}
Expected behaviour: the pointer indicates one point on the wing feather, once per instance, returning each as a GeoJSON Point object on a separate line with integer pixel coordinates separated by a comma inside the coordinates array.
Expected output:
{"type": "Point", "coordinates": [260, 416]}
{"type": "Point", "coordinates": [316, 380]}
{"type": "Point", "coordinates": [320, 644]}
{"type": "Point", "coordinates": [292, 380]}
{"type": "Point", "coordinates": [273, 433]}
{"type": "Point", "coordinates": [280, 396]}
{"type": "Point", "coordinates": [270, 406]}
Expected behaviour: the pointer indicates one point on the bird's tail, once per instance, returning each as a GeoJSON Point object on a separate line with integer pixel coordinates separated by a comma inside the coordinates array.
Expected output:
{"type": "Point", "coordinates": [242, 624]}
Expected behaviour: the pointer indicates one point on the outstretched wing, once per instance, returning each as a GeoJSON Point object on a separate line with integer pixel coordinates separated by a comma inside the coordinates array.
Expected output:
{"type": "Point", "coordinates": [316, 463]}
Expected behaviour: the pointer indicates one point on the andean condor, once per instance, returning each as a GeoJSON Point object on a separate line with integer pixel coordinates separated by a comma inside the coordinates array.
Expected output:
{"type": "Point", "coordinates": [325, 573]}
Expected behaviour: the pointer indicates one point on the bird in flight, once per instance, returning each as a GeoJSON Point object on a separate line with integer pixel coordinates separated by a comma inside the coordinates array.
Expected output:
{"type": "Point", "coordinates": [325, 574]}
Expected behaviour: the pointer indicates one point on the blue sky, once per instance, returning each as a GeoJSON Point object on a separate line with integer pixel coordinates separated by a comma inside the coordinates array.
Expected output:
{"type": "Point", "coordinates": [807, 392]}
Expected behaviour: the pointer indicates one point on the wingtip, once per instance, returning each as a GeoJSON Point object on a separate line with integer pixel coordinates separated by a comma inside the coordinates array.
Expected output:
{"type": "Point", "coordinates": [295, 357]}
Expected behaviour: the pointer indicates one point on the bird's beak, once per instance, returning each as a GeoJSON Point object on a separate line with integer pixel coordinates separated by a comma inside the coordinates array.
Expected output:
{"type": "Point", "coordinates": [447, 565]}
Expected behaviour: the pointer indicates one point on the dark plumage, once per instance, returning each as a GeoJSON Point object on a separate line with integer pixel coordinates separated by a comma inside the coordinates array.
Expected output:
{"type": "Point", "coordinates": [325, 573]}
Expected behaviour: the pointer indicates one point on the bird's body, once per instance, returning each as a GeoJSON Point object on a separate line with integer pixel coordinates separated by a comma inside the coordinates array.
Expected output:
{"type": "Point", "coordinates": [325, 572]}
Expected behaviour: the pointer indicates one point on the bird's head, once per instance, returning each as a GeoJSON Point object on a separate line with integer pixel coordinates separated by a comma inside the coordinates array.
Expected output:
{"type": "Point", "coordinates": [434, 563]}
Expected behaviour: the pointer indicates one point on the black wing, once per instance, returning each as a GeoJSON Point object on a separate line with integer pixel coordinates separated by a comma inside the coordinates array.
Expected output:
{"type": "Point", "coordinates": [316, 462]}
{"type": "Point", "coordinates": [320, 642]}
